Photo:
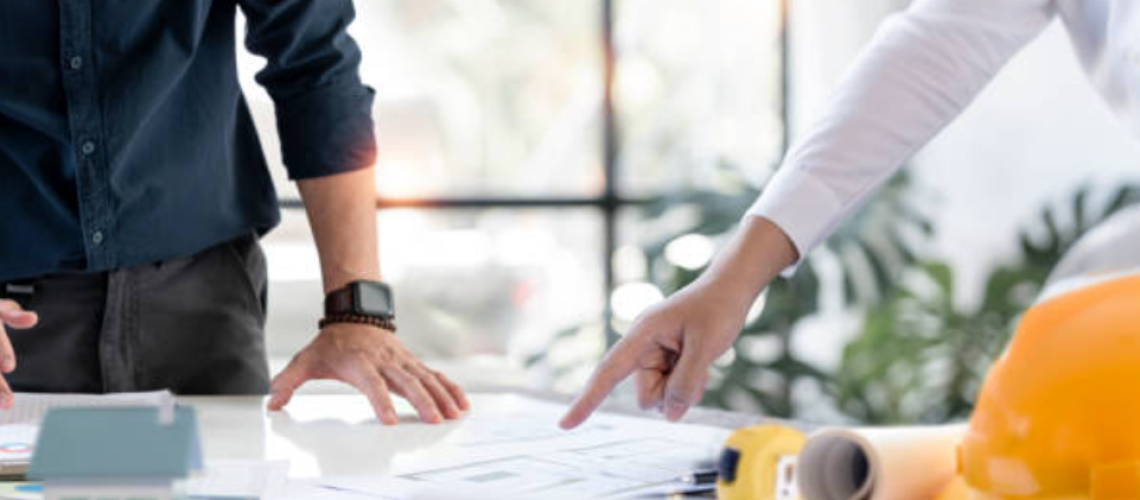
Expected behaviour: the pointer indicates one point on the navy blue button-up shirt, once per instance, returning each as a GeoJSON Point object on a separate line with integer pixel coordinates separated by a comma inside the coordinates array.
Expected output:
{"type": "Point", "coordinates": [124, 136]}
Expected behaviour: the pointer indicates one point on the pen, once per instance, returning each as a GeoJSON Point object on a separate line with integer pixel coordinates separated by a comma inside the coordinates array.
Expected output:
{"type": "Point", "coordinates": [699, 477]}
{"type": "Point", "coordinates": [678, 494]}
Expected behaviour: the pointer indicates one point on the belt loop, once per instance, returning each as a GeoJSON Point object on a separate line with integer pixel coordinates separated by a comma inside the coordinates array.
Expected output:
{"type": "Point", "coordinates": [20, 291]}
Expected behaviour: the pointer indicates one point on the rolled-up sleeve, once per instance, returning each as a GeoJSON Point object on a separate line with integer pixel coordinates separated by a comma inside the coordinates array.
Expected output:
{"type": "Point", "coordinates": [324, 111]}
{"type": "Point", "coordinates": [922, 69]}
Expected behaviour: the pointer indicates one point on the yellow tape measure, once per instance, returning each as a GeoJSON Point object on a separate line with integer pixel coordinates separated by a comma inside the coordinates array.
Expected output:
{"type": "Point", "coordinates": [759, 463]}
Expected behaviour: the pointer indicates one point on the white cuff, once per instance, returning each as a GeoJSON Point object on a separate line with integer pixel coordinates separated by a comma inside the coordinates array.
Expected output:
{"type": "Point", "coordinates": [802, 206]}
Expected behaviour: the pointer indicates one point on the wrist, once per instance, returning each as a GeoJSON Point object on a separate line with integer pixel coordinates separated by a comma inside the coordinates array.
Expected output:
{"type": "Point", "coordinates": [755, 255]}
{"type": "Point", "coordinates": [340, 278]}
{"type": "Point", "coordinates": [361, 302]}
{"type": "Point", "coordinates": [725, 295]}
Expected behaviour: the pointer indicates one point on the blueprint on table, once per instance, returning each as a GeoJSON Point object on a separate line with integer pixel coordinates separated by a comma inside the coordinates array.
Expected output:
{"type": "Point", "coordinates": [523, 453]}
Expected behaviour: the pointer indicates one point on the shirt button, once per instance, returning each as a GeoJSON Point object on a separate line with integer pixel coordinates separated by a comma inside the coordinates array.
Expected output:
{"type": "Point", "coordinates": [76, 62]}
{"type": "Point", "coordinates": [97, 238]}
{"type": "Point", "coordinates": [87, 148]}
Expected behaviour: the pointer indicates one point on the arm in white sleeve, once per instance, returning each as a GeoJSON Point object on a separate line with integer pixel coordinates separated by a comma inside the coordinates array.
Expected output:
{"type": "Point", "coordinates": [923, 67]}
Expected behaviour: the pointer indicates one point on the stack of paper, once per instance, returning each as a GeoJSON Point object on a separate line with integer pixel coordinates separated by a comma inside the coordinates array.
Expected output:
{"type": "Point", "coordinates": [29, 408]}
{"type": "Point", "coordinates": [19, 425]}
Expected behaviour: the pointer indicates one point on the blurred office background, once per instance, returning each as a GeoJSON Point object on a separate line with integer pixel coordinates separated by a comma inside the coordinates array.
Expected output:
{"type": "Point", "coordinates": [527, 215]}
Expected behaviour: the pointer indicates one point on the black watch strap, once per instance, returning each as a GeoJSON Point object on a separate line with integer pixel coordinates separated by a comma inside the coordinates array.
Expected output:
{"type": "Point", "coordinates": [339, 302]}
{"type": "Point", "coordinates": [360, 302]}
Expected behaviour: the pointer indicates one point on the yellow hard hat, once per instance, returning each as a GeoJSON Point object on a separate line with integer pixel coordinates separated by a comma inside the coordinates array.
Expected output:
{"type": "Point", "coordinates": [1058, 416]}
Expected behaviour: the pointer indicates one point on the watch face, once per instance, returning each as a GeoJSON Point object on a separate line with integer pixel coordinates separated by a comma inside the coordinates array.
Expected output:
{"type": "Point", "coordinates": [374, 299]}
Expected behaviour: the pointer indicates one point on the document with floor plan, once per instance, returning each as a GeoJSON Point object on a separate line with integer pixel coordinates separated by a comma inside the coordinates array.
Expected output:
{"type": "Point", "coordinates": [525, 455]}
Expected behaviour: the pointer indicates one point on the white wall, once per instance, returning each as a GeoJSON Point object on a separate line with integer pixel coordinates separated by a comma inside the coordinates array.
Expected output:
{"type": "Point", "coordinates": [1036, 133]}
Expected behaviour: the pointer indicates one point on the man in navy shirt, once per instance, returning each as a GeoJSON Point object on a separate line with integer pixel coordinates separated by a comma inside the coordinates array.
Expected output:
{"type": "Point", "coordinates": [133, 190]}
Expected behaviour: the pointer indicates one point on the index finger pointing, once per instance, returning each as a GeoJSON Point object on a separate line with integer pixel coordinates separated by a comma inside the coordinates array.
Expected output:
{"type": "Point", "coordinates": [617, 365]}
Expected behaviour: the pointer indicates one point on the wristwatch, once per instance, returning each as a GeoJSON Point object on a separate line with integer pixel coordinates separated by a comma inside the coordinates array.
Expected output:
{"type": "Point", "coordinates": [362, 302]}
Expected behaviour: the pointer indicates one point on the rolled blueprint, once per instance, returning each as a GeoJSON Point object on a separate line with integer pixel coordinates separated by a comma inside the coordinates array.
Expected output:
{"type": "Point", "coordinates": [889, 463]}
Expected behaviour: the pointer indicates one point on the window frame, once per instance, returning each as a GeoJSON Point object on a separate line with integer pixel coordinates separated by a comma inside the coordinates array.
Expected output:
{"type": "Point", "coordinates": [611, 200]}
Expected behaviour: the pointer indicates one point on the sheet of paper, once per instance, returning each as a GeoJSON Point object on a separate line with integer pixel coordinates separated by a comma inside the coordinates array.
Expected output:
{"type": "Point", "coordinates": [29, 408]}
{"type": "Point", "coordinates": [19, 425]}
{"type": "Point", "coordinates": [221, 480]}
{"type": "Point", "coordinates": [21, 491]}
{"type": "Point", "coordinates": [398, 489]}
{"type": "Point", "coordinates": [525, 455]}
{"type": "Point", "coordinates": [239, 479]}
{"type": "Point", "coordinates": [16, 442]}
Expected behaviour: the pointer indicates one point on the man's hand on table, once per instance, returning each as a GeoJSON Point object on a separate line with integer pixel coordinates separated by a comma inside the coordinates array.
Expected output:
{"type": "Point", "coordinates": [11, 316]}
{"type": "Point", "coordinates": [377, 363]}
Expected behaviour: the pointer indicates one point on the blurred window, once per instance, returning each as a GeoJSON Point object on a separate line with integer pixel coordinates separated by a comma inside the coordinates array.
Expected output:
{"type": "Point", "coordinates": [498, 201]}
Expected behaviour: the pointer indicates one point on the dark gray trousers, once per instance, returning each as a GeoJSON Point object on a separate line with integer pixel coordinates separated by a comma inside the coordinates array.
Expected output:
{"type": "Point", "coordinates": [193, 325]}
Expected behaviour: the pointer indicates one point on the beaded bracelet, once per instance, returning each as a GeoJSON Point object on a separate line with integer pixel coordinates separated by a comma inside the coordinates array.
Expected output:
{"type": "Point", "coordinates": [384, 323]}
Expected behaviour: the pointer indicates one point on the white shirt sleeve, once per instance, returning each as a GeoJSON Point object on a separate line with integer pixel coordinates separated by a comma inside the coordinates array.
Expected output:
{"type": "Point", "coordinates": [922, 68]}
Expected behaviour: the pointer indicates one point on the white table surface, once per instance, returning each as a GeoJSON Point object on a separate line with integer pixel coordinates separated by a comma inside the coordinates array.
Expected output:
{"type": "Point", "coordinates": [336, 434]}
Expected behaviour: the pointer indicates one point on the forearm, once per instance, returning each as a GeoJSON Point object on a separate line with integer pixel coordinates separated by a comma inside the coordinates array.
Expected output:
{"type": "Point", "coordinates": [920, 71]}
{"type": "Point", "coordinates": [757, 253]}
{"type": "Point", "coordinates": [342, 215]}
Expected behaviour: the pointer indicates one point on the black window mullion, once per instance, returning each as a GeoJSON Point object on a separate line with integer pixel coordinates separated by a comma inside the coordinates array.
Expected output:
{"type": "Point", "coordinates": [610, 146]}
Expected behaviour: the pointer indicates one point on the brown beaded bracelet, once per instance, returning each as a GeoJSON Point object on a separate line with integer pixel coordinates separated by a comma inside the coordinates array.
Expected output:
{"type": "Point", "coordinates": [384, 323]}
